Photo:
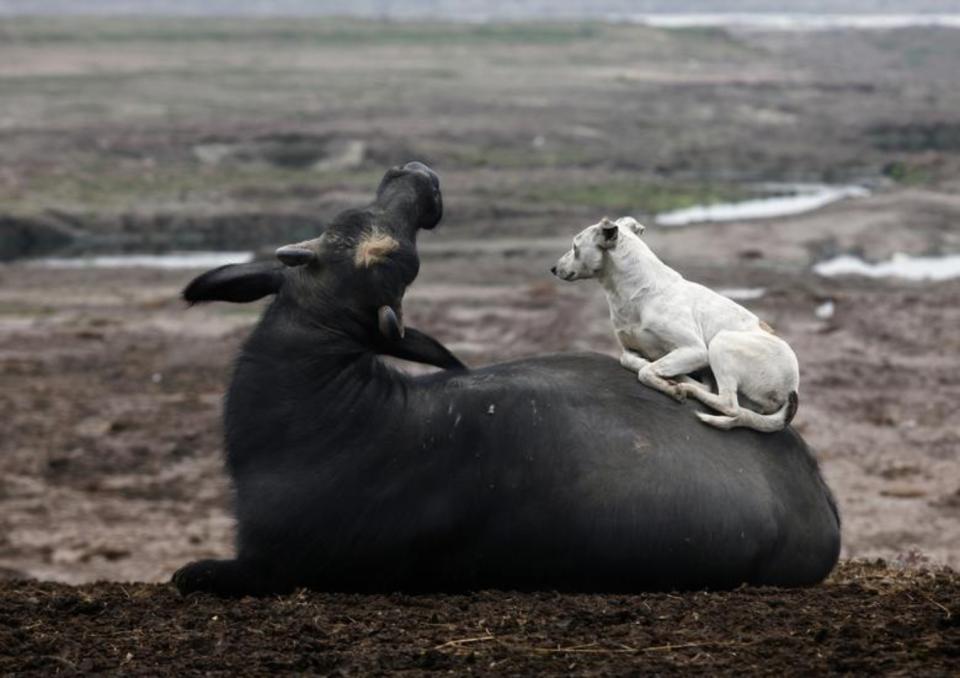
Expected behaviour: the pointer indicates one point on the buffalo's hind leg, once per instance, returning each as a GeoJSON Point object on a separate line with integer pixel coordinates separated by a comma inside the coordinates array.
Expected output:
{"type": "Point", "coordinates": [224, 578]}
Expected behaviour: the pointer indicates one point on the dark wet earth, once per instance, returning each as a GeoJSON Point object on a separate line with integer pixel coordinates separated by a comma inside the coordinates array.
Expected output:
{"type": "Point", "coordinates": [868, 618]}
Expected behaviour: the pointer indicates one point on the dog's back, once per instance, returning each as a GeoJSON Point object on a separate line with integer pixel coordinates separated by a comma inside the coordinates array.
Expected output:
{"type": "Point", "coordinates": [671, 327]}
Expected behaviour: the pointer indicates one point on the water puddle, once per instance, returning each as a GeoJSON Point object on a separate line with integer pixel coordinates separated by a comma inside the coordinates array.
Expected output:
{"type": "Point", "coordinates": [792, 199]}
{"type": "Point", "coordinates": [173, 260]}
{"type": "Point", "coordinates": [743, 293]}
{"type": "Point", "coordinates": [900, 266]}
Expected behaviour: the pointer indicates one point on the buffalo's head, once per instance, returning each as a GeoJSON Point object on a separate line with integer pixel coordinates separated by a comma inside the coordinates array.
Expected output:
{"type": "Point", "coordinates": [351, 279]}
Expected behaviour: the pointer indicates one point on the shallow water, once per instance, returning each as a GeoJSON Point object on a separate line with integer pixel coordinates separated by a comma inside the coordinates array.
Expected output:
{"type": "Point", "coordinates": [802, 198]}
{"type": "Point", "coordinates": [795, 22]}
{"type": "Point", "coordinates": [900, 266]}
{"type": "Point", "coordinates": [173, 260]}
{"type": "Point", "coordinates": [743, 293]}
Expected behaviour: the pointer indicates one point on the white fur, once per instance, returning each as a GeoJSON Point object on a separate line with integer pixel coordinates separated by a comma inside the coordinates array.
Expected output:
{"type": "Point", "coordinates": [670, 327]}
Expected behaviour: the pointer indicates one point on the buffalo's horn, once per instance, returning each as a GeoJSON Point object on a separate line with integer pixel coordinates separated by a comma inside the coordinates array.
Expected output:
{"type": "Point", "coordinates": [390, 323]}
{"type": "Point", "coordinates": [296, 255]}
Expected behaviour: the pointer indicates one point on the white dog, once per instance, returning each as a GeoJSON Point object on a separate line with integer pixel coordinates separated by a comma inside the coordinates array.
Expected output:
{"type": "Point", "coordinates": [670, 327]}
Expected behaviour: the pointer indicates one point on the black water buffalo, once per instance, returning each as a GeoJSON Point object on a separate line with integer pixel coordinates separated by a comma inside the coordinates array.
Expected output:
{"type": "Point", "coordinates": [557, 472]}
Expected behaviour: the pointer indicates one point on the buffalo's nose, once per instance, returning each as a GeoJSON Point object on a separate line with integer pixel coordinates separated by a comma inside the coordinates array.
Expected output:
{"type": "Point", "coordinates": [416, 166]}
{"type": "Point", "coordinates": [553, 269]}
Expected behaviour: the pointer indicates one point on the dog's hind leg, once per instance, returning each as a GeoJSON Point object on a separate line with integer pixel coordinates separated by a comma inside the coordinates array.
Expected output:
{"type": "Point", "coordinates": [725, 401]}
{"type": "Point", "coordinates": [678, 363]}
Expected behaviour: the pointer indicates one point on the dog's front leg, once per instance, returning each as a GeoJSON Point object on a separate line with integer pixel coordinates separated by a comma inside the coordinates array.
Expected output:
{"type": "Point", "coordinates": [677, 363]}
{"type": "Point", "coordinates": [633, 361]}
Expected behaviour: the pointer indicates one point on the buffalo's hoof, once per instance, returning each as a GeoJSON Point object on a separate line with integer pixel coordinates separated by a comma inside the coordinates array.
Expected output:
{"type": "Point", "coordinates": [201, 576]}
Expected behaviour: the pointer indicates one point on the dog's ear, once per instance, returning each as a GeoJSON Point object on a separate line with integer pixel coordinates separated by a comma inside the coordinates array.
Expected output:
{"type": "Point", "coordinates": [631, 225]}
{"type": "Point", "coordinates": [608, 234]}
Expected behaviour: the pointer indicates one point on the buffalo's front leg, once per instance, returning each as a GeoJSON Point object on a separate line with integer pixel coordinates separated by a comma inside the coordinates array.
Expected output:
{"type": "Point", "coordinates": [226, 578]}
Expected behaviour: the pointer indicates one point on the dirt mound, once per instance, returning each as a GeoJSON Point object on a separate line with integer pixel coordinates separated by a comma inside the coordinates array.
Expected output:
{"type": "Point", "coordinates": [24, 237]}
{"type": "Point", "coordinates": [867, 619]}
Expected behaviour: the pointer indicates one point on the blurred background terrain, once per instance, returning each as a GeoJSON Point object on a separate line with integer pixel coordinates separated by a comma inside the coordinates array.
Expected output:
{"type": "Point", "coordinates": [168, 136]}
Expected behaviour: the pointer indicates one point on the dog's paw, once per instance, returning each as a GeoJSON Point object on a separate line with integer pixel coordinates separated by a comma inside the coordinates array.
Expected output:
{"type": "Point", "coordinates": [675, 390]}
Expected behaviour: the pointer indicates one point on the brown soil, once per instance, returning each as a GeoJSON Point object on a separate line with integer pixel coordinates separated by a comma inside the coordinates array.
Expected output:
{"type": "Point", "coordinates": [110, 390]}
{"type": "Point", "coordinates": [867, 619]}
{"type": "Point", "coordinates": [110, 443]}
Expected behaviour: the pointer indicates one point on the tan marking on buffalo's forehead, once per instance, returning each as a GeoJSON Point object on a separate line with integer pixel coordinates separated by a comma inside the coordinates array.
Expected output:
{"type": "Point", "coordinates": [766, 328]}
{"type": "Point", "coordinates": [374, 248]}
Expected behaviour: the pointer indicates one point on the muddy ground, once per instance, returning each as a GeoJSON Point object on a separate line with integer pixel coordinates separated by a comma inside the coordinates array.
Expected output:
{"type": "Point", "coordinates": [866, 620]}
{"type": "Point", "coordinates": [111, 449]}
{"type": "Point", "coordinates": [147, 136]}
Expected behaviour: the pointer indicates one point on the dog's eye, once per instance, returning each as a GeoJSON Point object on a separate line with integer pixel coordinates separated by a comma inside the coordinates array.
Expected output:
{"type": "Point", "coordinates": [576, 251]}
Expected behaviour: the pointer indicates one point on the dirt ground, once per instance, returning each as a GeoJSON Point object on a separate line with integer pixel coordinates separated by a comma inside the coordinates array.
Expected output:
{"type": "Point", "coordinates": [867, 620]}
{"type": "Point", "coordinates": [110, 449]}
{"type": "Point", "coordinates": [146, 136]}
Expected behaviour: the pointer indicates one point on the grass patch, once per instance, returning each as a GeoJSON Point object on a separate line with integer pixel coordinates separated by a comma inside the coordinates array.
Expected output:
{"type": "Point", "coordinates": [18, 309]}
{"type": "Point", "coordinates": [917, 136]}
{"type": "Point", "coordinates": [334, 32]}
{"type": "Point", "coordinates": [626, 195]}
{"type": "Point", "coordinates": [107, 187]}
{"type": "Point", "coordinates": [516, 156]}
{"type": "Point", "coordinates": [908, 174]}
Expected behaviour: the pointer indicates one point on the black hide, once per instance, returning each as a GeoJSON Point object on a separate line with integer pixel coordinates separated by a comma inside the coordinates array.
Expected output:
{"type": "Point", "coordinates": [557, 472]}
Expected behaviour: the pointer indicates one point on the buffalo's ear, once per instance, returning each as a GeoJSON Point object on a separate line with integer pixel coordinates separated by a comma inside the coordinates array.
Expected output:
{"type": "Point", "coordinates": [238, 283]}
{"type": "Point", "coordinates": [420, 347]}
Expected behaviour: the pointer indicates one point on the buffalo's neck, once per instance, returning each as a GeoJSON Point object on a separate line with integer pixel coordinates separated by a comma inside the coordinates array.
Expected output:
{"type": "Point", "coordinates": [298, 385]}
{"type": "Point", "coordinates": [402, 211]}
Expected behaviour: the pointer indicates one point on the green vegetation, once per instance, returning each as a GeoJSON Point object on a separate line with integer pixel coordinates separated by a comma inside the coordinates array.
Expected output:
{"type": "Point", "coordinates": [345, 32]}
{"type": "Point", "coordinates": [111, 187]}
{"type": "Point", "coordinates": [628, 194]}
{"type": "Point", "coordinates": [24, 309]}
{"type": "Point", "coordinates": [917, 136]}
{"type": "Point", "coordinates": [908, 174]}
{"type": "Point", "coordinates": [516, 156]}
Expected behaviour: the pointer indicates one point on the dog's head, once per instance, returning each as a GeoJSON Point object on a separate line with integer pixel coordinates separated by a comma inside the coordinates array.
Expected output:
{"type": "Point", "coordinates": [586, 258]}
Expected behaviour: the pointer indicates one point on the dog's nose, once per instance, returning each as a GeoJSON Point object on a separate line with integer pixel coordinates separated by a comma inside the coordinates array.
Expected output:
{"type": "Point", "coordinates": [553, 269]}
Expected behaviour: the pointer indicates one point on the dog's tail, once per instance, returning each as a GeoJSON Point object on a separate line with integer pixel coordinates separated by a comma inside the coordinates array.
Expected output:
{"type": "Point", "coordinates": [767, 423]}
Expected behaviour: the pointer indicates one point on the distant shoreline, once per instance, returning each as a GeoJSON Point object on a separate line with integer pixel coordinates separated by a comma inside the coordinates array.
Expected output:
{"type": "Point", "coordinates": [523, 11]}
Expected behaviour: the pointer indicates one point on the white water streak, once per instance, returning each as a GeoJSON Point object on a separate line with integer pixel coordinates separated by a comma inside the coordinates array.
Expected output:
{"type": "Point", "coordinates": [173, 260]}
{"type": "Point", "coordinates": [743, 293]}
{"type": "Point", "coordinates": [804, 198]}
{"type": "Point", "coordinates": [900, 266]}
{"type": "Point", "coordinates": [796, 22]}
